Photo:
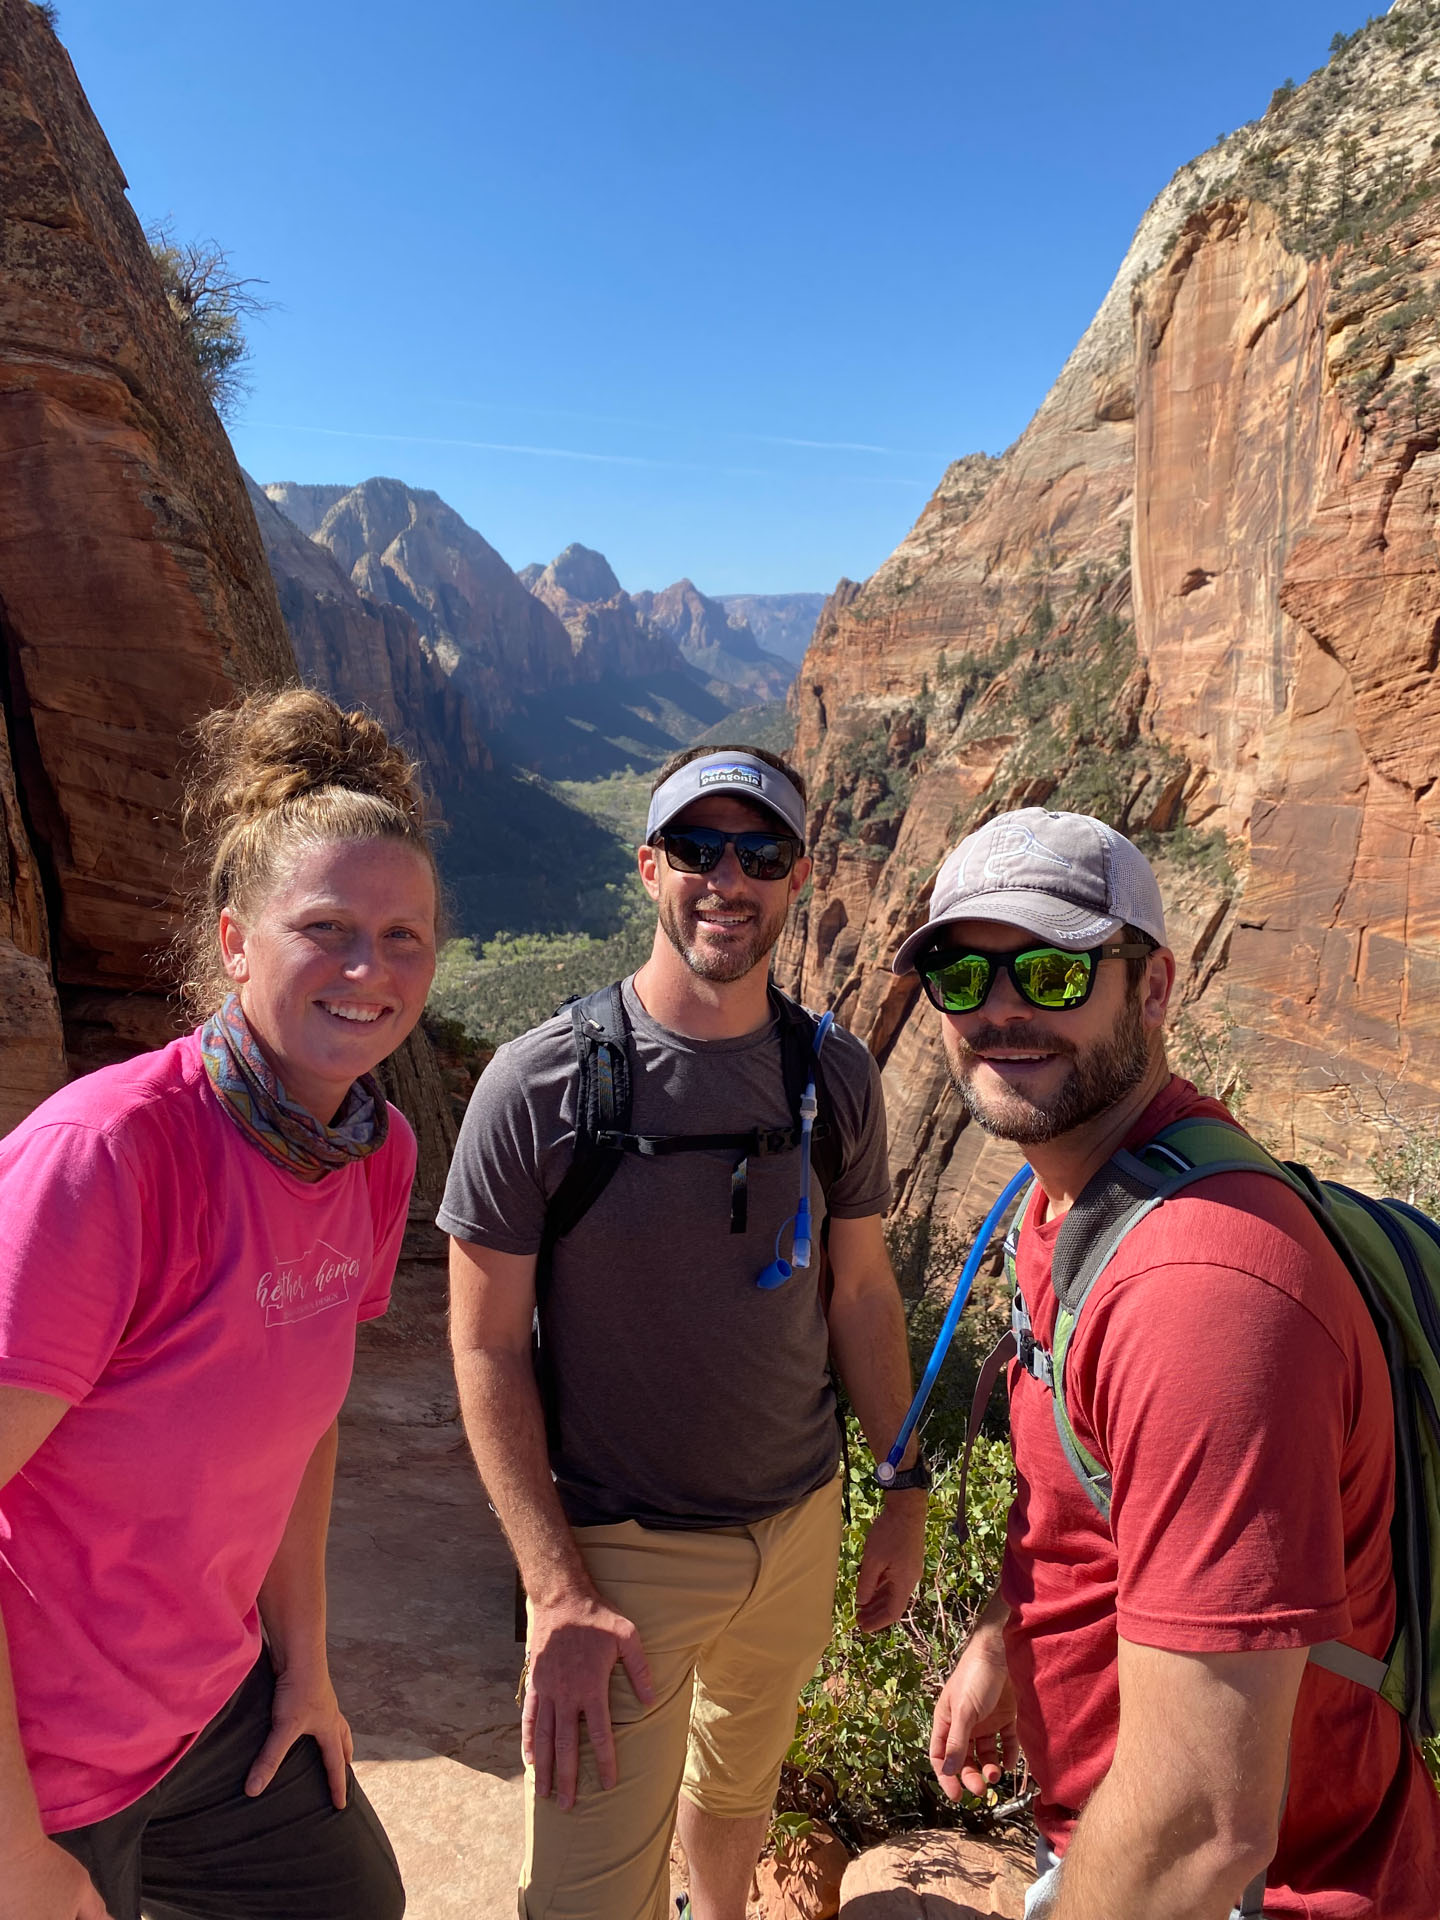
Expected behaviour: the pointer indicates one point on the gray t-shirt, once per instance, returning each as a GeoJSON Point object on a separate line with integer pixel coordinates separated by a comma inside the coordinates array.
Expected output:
{"type": "Point", "coordinates": [681, 1394]}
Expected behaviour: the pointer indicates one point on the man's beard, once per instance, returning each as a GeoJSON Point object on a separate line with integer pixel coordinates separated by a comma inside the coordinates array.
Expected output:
{"type": "Point", "coordinates": [1098, 1079]}
{"type": "Point", "coordinates": [735, 959]}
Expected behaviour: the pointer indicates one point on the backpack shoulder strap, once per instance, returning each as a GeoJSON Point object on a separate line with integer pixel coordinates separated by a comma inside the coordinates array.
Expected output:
{"type": "Point", "coordinates": [799, 1061]}
{"type": "Point", "coordinates": [1130, 1185]}
{"type": "Point", "coordinates": [602, 1105]}
{"type": "Point", "coordinates": [1127, 1188]}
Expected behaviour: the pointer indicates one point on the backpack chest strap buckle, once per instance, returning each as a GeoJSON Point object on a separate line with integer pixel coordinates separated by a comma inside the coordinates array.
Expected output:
{"type": "Point", "coordinates": [1036, 1361]}
{"type": "Point", "coordinates": [773, 1140]}
{"type": "Point", "coordinates": [1028, 1351]}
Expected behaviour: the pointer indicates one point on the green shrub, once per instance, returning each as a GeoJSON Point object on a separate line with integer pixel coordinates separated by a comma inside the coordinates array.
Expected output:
{"type": "Point", "coordinates": [865, 1718]}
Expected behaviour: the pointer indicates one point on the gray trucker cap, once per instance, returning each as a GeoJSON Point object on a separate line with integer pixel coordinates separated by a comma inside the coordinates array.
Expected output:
{"type": "Point", "coordinates": [1066, 877]}
{"type": "Point", "coordinates": [743, 774]}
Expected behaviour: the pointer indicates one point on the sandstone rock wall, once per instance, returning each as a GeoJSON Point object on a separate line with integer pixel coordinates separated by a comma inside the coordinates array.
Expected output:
{"type": "Point", "coordinates": [133, 592]}
{"type": "Point", "coordinates": [1199, 598]}
{"type": "Point", "coordinates": [134, 597]}
{"type": "Point", "coordinates": [1288, 587]}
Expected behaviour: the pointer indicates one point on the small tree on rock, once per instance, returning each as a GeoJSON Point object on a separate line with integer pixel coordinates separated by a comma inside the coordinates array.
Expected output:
{"type": "Point", "coordinates": [210, 305]}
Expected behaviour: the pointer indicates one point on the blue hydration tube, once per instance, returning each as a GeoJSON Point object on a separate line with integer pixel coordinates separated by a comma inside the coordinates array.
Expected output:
{"type": "Point", "coordinates": [887, 1469]}
{"type": "Point", "coordinates": [779, 1271]}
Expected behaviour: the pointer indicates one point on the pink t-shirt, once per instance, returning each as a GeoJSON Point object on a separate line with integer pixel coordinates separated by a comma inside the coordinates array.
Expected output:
{"type": "Point", "coordinates": [196, 1306]}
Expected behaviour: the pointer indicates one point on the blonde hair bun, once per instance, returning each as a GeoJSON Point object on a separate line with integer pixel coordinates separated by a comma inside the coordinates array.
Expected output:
{"type": "Point", "coordinates": [273, 749]}
{"type": "Point", "coordinates": [274, 773]}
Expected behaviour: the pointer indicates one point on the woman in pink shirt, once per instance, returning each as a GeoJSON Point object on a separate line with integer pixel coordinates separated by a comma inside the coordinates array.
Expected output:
{"type": "Point", "coordinates": [187, 1242]}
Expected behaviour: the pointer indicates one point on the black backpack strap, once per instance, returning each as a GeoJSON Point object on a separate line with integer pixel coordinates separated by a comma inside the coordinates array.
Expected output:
{"type": "Point", "coordinates": [602, 1106]}
{"type": "Point", "coordinates": [759, 1141]}
{"type": "Point", "coordinates": [799, 1062]}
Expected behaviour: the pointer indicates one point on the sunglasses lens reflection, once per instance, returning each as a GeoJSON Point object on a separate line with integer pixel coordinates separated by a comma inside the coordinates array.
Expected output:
{"type": "Point", "coordinates": [695, 852]}
{"type": "Point", "coordinates": [962, 984]}
{"type": "Point", "coordinates": [1050, 978]}
{"type": "Point", "coordinates": [1046, 977]}
{"type": "Point", "coordinates": [762, 856]}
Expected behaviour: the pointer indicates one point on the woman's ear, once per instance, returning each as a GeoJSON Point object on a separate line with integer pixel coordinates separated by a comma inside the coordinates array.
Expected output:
{"type": "Point", "coordinates": [232, 947]}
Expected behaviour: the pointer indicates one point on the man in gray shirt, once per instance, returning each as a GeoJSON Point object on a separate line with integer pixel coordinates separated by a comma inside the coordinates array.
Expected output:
{"type": "Point", "coordinates": [674, 1503]}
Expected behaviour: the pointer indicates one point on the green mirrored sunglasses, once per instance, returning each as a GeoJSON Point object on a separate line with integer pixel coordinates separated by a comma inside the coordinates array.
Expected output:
{"type": "Point", "coordinates": [1048, 977]}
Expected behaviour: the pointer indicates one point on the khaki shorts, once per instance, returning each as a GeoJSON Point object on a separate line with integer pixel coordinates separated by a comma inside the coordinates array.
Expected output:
{"type": "Point", "coordinates": [733, 1624]}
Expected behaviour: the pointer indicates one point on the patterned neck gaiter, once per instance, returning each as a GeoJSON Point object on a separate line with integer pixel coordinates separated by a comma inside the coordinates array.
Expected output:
{"type": "Point", "coordinates": [253, 1097]}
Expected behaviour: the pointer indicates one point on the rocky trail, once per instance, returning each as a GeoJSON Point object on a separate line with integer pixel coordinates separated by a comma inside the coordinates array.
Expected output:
{"type": "Point", "coordinates": [422, 1620]}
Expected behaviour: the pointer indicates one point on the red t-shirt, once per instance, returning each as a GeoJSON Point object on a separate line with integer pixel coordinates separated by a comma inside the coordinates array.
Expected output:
{"type": "Point", "coordinates": [1227, 1374]}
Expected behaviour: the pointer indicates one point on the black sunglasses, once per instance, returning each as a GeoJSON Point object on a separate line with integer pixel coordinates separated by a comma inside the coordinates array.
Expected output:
{"type": "Point", "coordinates": [1048, 977]}
{"type": "Point", "coordinates": [762, 856]}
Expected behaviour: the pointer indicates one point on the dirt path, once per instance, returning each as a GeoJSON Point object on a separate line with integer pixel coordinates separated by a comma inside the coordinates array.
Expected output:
{"type": "Point", "coordinates": [422, 1620]}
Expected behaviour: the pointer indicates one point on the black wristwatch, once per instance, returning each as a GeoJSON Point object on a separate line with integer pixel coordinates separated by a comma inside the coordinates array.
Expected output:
{"type": "Point", "coordinates": [914, 1479]}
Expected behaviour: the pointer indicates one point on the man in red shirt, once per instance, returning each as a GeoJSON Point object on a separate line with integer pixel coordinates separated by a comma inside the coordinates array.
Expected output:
{"type": "Point", "coordinates": [1227, 1375]}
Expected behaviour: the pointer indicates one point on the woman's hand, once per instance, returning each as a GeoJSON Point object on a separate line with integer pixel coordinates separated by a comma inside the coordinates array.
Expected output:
{"type": "Point", "coordinates": [45, 1883]}
{"type": "Point", "coordinates": [305, 1703]}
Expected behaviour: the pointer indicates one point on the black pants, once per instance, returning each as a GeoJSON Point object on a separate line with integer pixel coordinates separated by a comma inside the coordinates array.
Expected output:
{"type": "Point", "coordinates": [195, 1848]}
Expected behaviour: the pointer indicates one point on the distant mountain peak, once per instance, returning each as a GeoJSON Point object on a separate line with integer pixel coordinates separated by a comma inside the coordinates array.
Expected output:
{"type": "Point", "coordinates": [304, 504]}
{"type": "Point", "coordinates": [781, 622]}
{"type": "Point", "coordinates": [582, 573]}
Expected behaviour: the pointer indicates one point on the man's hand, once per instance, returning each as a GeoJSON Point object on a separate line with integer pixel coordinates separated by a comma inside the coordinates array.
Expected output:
{"type": "Point", "coordinates": [45, 1883]}
{"type": "Point", "coordinates": [893, 1560]}
{"type": "Point", "coordinates": [973, 1734]}
{"type": "Point", "coordinates": [575, 1643]}
{"type": "Point", "coordinates": [304, 1703]}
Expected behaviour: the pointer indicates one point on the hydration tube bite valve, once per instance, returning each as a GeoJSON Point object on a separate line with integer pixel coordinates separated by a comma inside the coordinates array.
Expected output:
{"type": "Point", "coordinates": [779, 1271]}
{"type": "Point", "coordinates": [887, 1469]}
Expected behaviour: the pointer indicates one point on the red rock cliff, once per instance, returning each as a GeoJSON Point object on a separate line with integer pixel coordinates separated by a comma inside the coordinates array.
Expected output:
{"type": "Point", "coordinates": [1201, 597]}
{"type": "Point", "coordinates": [134, 596]}
{"type": "Point", "coordinates": [133, 591]}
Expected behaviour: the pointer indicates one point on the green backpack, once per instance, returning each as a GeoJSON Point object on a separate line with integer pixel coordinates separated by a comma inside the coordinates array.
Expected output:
{"type": "Point", "coordinates": [1393, 1253]}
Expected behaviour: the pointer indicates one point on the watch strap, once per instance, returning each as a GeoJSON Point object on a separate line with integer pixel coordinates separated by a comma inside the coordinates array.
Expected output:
{"type": "Point", "coordinates": [914, 1479]}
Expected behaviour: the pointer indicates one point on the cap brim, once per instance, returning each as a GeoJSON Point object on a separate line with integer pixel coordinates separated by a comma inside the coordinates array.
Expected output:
{"type": "Point", "coordinates": [1057, 922]}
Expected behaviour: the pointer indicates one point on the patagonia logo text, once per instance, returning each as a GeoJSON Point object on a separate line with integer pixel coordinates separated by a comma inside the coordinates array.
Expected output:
{"type": "Point", "coordinates": [730, 776]}
{"type": "Point", "coordinates": [296, 1289]}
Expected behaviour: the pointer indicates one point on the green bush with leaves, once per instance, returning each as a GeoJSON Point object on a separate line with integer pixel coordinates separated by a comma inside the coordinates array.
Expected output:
{"type": "Point", "coordinates": [865, 1718]}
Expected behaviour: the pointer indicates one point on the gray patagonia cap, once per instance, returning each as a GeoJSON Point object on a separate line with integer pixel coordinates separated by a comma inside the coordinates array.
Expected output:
{"type": "Point", "coordinates": [1065, 877]}
{"type": "Point", "coordinates": [742, 774]}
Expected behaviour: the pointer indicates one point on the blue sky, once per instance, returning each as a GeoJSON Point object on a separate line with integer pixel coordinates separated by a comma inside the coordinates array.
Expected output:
{"type": "Point", "coordinates": [717, 289]}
